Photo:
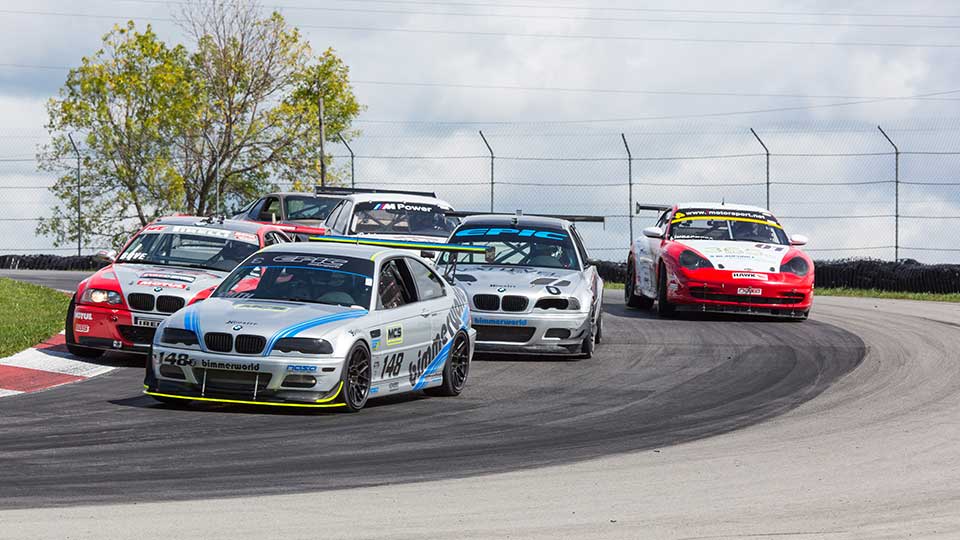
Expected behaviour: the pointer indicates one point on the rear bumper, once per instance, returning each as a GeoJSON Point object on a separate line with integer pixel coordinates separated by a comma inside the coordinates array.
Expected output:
{"type": "Point", "coordinates": [711, 290]}
{"type": "Point", "coordinates": [112, 329]}
{"type": "Point", "coordinates": [553, 332]}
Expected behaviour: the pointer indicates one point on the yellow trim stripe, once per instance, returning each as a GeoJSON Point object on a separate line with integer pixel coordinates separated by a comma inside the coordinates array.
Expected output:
{"type": "Point", "coordinates": [321, 403]}
{"type": "Point", "coordinates": [726, 218]}
{"type": "Point", "coordinates": [377, 254]}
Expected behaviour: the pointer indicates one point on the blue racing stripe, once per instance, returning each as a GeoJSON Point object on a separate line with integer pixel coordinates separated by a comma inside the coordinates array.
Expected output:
{"type": "Point", "coordinates": [295, 329]}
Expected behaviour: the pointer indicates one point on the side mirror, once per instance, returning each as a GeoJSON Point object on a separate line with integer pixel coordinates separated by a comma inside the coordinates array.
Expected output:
{"type": "Point", "coordinates": [653, 232]}
{"type": "Point", "coordinates": [106, 255]}
{"type": "Point", "coordinates": [490, 255]}
{"type": "Point", "coordinates": [428, 254]}
{"type": "Point", "coordinates": [798, 240]}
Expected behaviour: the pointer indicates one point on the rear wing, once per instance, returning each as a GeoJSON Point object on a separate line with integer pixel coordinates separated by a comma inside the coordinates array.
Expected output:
{"type": "Point", "coordinates": [652, 207]}
{"type": "Point", "coordinates": [336, 190]}
{"type": "Point", "coordinates": [519, 214]}
{"type": "Point", "coordinates": [489, 252]}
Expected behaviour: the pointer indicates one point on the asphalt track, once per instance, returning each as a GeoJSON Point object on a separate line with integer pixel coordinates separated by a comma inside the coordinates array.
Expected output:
{"type": "Point", "coordinates": [653, 384]}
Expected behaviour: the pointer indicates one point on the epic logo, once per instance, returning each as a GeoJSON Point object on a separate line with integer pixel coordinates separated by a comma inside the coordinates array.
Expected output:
{"type": "Point", "coordinates": [522, 233]}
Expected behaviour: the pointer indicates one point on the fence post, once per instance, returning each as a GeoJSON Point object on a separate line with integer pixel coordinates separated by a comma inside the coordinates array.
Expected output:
{"type": "Point", "coordinates": [491, 167]}
{"type": "Point", "coordinates": [629, 185]}
{"type": "Point", "coordinates": [767, 152]}
{"type": "Point", "coordinates": [353, 183]}
{"type": "Point", "coordinates": [896, 195]}
{"type": "Point", "coordinates": [79, 228]}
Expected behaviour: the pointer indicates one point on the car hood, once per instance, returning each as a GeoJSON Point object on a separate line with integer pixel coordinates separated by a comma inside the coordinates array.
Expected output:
{"type": "Point", "coordinates": [268, 318]}
{"type": "Point", "coordinates": [749, 256]}
{"type": "Point", "coordinates": [515, 280]}
{"type": "Point", "coordinates": [162, 280]}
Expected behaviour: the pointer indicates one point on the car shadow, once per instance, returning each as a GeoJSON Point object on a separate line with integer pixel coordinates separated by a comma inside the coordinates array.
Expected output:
{"type": "Point", "coordinates": [622, 310]}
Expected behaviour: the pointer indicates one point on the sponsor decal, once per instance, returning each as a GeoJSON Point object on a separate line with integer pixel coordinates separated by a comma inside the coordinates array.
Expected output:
{"type": "Point", "coordinates": [163, 276]}
{"type": "Point", "coordinates": [81, 328]}
{"type": "Point", "coordinates": [231, 366]}
{"type": "Point", "coordinates": [301, 369]}
{"type": "Point", "coordinates": [261, 307]}
{"type": "Point", "coordinates": [520, 233]}
{"type": "Point", "coordinates": [725, 213]}
{"type": "Point", "coordinates": [749, 291]}
{"type": "Point", "coordinates": [237, 327]}
{"type": "Point", "coordinates": [155, 229]}
{"type": "Point", "coordinates": [395, 335]}
{"type": "Point", "coordinates": [117, 344]}
{"type": "Point", "coordinates": [305, 260]}
{"type": "Point", "coordinates": [750, 275]}
{"type": "Point", "coordinates": [432, 359]}
{"type": "Point", "coordinates": [79, 315]}
{"type": "Point", "coordinates": [246, 237]}
{"type": "Point", "coordinates": [147, 322]}
{"type": "Point", "coordinates": [239, 323]}
{"type": "Point", "coordinates": [500, 322]}
{"type": "Point", "coordinates": [393, 386]}
{"type": "Point", "coordinates": [404, 206]}
{"type": "Point", "coordinates": [375, 343]}
{"type": "Point", "coordinates": [160, 285]}
{"type": "Point", "coordinates": [374, 390]}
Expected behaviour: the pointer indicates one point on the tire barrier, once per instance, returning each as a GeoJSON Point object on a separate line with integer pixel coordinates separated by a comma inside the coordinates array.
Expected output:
{"type": "Point", "coordinates": [50, 262]}
{"type": "Point", "coordinates": [906, 275]}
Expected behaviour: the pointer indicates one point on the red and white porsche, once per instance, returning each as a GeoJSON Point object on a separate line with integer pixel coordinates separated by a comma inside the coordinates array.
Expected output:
{"type": "Point", "coordinates": [170, 263]}
{"type": "Point", "coordinates": [721, 258]}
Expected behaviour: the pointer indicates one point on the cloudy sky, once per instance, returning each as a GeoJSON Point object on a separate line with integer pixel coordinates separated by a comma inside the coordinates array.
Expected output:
{"type": "Point", "coordinates": [535, 70]}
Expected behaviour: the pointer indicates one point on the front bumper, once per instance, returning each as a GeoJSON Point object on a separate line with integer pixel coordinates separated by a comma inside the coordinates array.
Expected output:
{"type": "Point", "coordinates": [547, 332]}
{"type": "Point", "coordinates": [710, 290]}
{"type": "Point", "coordinates": [114, 329]}
{"type": "Point", "coordinates": [195, 375]}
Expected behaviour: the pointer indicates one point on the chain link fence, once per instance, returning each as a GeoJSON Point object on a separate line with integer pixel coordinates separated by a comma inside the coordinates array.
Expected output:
{"type": "Point", "coordinates": [858, 191]}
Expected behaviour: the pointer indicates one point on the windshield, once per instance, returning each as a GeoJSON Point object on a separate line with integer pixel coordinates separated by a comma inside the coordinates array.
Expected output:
{"type": "Point", "coordinates": [190, 246]}
{"type": "Point", "coordinates": [401, 218]}
{"type": "Point", "coordinates": [729, 225]}
{"type": "Point", "coordinates": [293, 277]}
{"type": "Point", "coordinates": [542, 248]}
{"type": "Point", "coordinates": [309, 207]}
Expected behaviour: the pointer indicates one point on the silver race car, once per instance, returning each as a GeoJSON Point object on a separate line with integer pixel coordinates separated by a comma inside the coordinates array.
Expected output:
{"type": "Point", "coordinates": [538, 293]}
{"type": "Point", "coordinates": [318, 325]}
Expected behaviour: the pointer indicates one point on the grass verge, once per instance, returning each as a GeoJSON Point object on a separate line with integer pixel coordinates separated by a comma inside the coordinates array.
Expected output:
{"type": "Point", "coordinates": [613, 286]}
{"type": "Point", "coordinates": [31, 314]}
{"type": "Point", "coordinates": [876, 293]}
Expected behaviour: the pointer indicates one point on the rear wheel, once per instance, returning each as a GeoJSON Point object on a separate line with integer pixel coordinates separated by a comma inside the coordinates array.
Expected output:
{"type": "Point", "coordinates": [71, 341]}
{"type": "Point", "coordinates": [455, 370]}
{"type": "Point", "coordinates": [356, 378]}
{"type": "Point", "coordinates": [664, 307]}
{"type": "Point", "coordinates": [589, 344]}
{"type": "Point", "coordinates": [630, 296]}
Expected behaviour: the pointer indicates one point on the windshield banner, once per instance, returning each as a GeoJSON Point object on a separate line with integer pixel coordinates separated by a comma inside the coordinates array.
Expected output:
{"type": "Point", "coordinates": [689, 214]}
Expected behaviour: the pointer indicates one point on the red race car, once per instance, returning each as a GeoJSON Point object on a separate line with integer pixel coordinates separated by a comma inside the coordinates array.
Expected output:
{"type": "Point", "coordinates": [722, 258]}
{"type": "Point", "coordinates": [170, 263]}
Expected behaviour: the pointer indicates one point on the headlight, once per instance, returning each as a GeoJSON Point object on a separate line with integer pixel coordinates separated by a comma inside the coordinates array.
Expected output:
{"type": "Point", "coordinates": [692, 261]}
{"type": "Point", "coordinates": [101, 296]}
{"type": "Point", "coordinates": [797, 266]}
{"type": "Point", "coordinates": [573, 304]}
{"type": "Point", "coordinates": [175, 336]}
{"type": "Point", "coordinates": [303, 345]}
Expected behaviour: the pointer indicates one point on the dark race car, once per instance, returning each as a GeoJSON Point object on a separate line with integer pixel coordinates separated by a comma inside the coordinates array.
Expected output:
{"type": "Point", "coordinates": [297, 213]}
{"type": "Point", "coordinates": [170, 263]}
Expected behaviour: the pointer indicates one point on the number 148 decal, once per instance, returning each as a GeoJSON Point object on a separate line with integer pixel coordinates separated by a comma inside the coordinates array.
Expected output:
{"type": "Point", "coordinates": [391, 365]}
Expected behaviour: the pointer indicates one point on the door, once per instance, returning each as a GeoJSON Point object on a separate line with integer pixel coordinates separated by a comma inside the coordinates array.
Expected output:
{"type": "Point", "coordinates": [403, 330]}
{"type": "Point", "coordinates": [648, 253]}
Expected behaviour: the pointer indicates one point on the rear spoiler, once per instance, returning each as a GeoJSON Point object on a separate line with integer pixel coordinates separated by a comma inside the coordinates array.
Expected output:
{"type": "Point", "coordinates": [519, 214]}
{"type": "Point", "coordinates": [652, 207]}
{"type": "Point", "coordinates": [336, 190]}
{"type": "Point", "coordinates": [489, 252]}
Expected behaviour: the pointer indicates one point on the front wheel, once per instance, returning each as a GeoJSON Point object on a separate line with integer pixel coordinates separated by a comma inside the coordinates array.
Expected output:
{"type": "Point", "coordinates": [664, 307]}
{"type": "Point", "coordinates": [356, 378]}
{"type": "Point", "coordinates": [70, 339]}
{"type": "Point", "coordinates": [455, 370]}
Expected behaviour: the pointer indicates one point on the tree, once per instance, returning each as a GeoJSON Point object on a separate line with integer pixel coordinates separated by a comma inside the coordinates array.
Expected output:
{"type": "Point", "coordinates": [261, 88]}
{"type": "Point", "coordinates": [167, 129]}
{"type": "Point", "coordinates": [125, 104]}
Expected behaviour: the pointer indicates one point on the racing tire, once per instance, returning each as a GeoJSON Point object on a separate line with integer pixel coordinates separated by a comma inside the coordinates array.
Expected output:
{"type": "Point", "coordinates": [71, 341]}
{"type": "Point", "coordinates": [455, 369]}
{"type": "Point", "coordinates": [664, 307]}
{"type": "Point", "coordinates": [630, 296]}
{"type": "Point", "coordinates": [589, 345]}
{"type": "Point", "coordinates": [356, 378]}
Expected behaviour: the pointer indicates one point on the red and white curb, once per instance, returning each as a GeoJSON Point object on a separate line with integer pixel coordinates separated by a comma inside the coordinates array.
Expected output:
{"type": "Point", "coordinates": [44, 366]}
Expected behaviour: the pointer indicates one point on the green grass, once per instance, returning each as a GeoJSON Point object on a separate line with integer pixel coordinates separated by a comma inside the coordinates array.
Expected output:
{"type": "Point", "coordinates": [609, 285]}
{"type": "Point", "coordinates": [875, 293]}
{"type": "Point", "coordinates": [31, 314]}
